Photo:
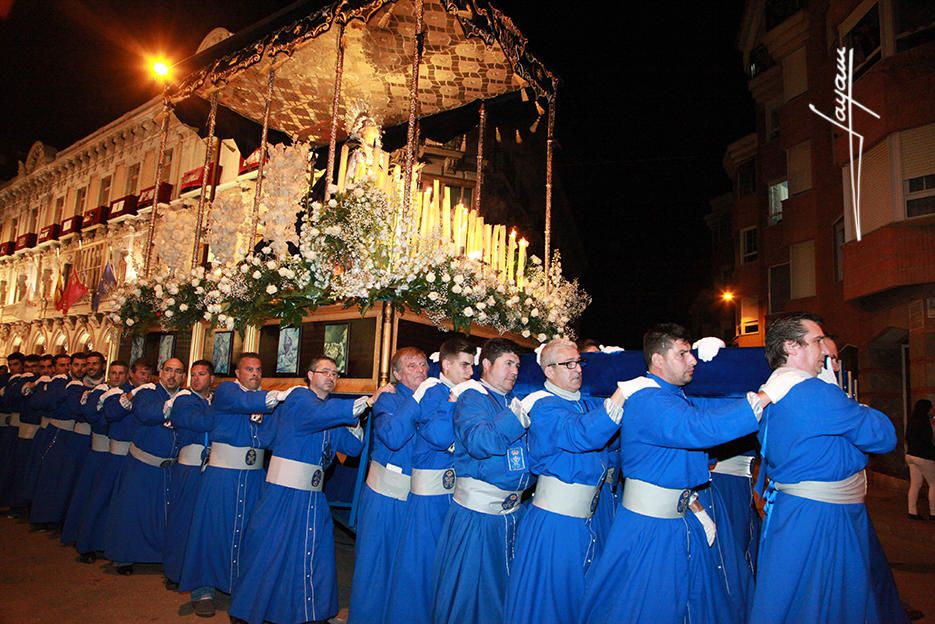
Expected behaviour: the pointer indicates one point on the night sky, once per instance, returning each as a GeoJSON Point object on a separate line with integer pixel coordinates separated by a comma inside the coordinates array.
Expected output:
{"type": "Point", "coordinates": [651, 95]}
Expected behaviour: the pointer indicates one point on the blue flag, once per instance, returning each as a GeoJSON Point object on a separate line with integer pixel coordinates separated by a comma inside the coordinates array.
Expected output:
{"type": "Point", "coordinates": [104, 287]}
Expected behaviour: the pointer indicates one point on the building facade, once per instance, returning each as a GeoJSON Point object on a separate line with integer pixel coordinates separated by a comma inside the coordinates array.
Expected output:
{"type": "Point", "coordinates": [796, 242]}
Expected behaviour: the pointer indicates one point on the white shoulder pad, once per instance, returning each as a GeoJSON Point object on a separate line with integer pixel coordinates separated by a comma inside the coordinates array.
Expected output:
{"type": "Point", "coordinates": [102, 386]}
{"type": "Point", "coordinates": [60, 376]}
{"type": "Point", "coordinates": [113, 391]}
{"type": "Point", "coordinates": [167, 407]}
{"type": "Point", "coordinates": [74, 382]}
{"type": "Point", "coordinates": [470, 384]}
{"type": "Point", "coordinates": [44, 379]}
{"type": "Point", "coordinates": [145, 386]}
{"type": "Point", "coordinates": [531, 399]}
{"type": "Point", "coordinates": [357, 432]}
{"type": "Point", "coordinates": [424, 387]}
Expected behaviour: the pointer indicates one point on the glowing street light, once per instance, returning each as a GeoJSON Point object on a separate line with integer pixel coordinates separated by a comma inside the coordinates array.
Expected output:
{"type": "Point", "coordinates": [160, 67]}
{"type": "Point", "coordinates": [727, 296]}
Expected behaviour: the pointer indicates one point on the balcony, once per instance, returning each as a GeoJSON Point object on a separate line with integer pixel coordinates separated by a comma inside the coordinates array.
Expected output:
{"type": "Point", "coordinates": [49, 233]}
{"type": "Point", "coordinates": [147, 194]}
{"type": "Point", "coordinates": [71, 226]}
{"type": "Point", "coordinates": [123, 207]}
{"type": "Point", "coordinates": [193, 178]}
{"type": "Point", "coordinates": [25, 241]}
{"type": "Point", "coordinates": [95, 217]}
{"type": "Point", "coordinates": [899, 254]}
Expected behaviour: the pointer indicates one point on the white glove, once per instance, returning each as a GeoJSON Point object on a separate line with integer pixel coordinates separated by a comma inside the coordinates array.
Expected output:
{"type": "Point", "coordinates": [539, 353]}
{"type": "Point", "coordinates": [470, 384]}
{"type": "Point", "coordinates": [632, 386]}
{"type": "Point", "coordinates": [710, 529]}
{"type": "Point", "coordinates": [435, 357]}
{"type": "Point", "coordinates": [272, 398]}
{"type": "Point", "coordinates": [126, 402]}
{"type": "Point", "coordinates": [781, 381]}
{"type": "Point", "coordinates": [708, 348]}
{"type": "Point", "coordinates": [516, 406]}
{"type": "Point", "coordinates": [610, 349]}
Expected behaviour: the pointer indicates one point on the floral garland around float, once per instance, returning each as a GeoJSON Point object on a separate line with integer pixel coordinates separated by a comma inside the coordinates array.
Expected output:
{"type": "Point", "coordinates": [356, 250]}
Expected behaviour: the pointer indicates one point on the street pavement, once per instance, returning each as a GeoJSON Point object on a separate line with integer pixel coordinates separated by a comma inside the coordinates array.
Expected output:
{"type": "Point", "coordinates": [41, 581]}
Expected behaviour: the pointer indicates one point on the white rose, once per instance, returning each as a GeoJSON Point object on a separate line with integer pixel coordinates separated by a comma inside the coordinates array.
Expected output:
{"type": "Point", "coordinates": [459, 279]}
{"type": "Point", "coordinates": [446, 278]}
{"type": "Point", "coordinates": [257, 275]}
{"type": "Point", "coordinates": [199, 290]}
{"type": "Point", "coordinates": [491, 301]}
{"type": "Point", "coordinates": [524, 320]}
{"type": "Point", "coordinates": [456, 289]}
{"type": "Point", "coordinates": [467, 290]}
{"type": "Point", "coordinates": [430, 277]}
{"type": "Point", "coordinates": [433, 296]}
{"type": "Point", "coordinates": [271, 265]}
{"type": "Point", "coordinates": [183, 307]}
{"type": "Point", "coordinates": [169, 313]}
{"type": "Point", "coordinates": [468, 311]}
{"type": "Point", "coordinates": [534, 312]}
{"type": "Point", "coordinates": [271, 289]}
{"type": "Point", "coordinates": [129, 322]}
{"type": "Point", "coordinates": [170, 301]}
{"type": "Point", "coordinates": [267, 249]}
{"type": "Point", "coordinates": [481, 305]}
{"type": "Point", "coordinates": [244, 268]}
{"type": "Point", "coordinates": [173, 290]}
{"type": "Point", "coordinates": [332, 203]}
{"type": "Point", "coordinates": [525, 333]}
{"type": "Point", "coordinates": [541, 337]}
{"type": "Point", "coordinates": [482, 316]}
{"type": "Point", "coordinates": [207, 316]}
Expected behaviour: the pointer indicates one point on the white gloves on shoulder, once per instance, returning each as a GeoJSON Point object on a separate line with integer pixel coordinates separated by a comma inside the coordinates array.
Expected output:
{"type": "Point", "coordinates": [632, 386]}
{"type": "Point", "coordinates": [782, 381]}
{"type": "Point", "coordinates": [708, 348]}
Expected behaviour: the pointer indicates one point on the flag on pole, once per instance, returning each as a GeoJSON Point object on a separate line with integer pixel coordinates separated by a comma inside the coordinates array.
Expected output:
{"type": "Point", "coordinates": [74, 290]}
{"type": "Point", "coordinates": [104, 287]}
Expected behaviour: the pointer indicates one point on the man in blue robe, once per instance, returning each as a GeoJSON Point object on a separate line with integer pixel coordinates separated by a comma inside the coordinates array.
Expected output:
{"type": "Point", "coordinates": [230, 485]}
{"type": "Point", "coordinates": [818, 559]}
{"type": "Point", "coordinates": [657, 564]}
{"type": "Point", "coordinates": [289, 571]}
{"type": "Point", "coordinates": [21, 417]}
{"type": "Point", "coordinates": [97, 453]}
{"type": "Point", "coordinates": [429, 414]}
{"type": "Point", "coordinates": [556, 543]}
{"type": "Point", "coordinates": [10, 428]}
{"type": "Point", "coordinates": [41, 405]}
{"type": "Point", "coordinates": [491, 460]}
{"type": "Point", "coordinates": [114, 404]}
{"type": "Point", "coordinates": [136, 522]}
{"type": "Point", "coordinates": [189, 414]}
{"type": "Point", "coordinates": [383, 501]}
{"type": "Point", "coordinates": [57, 468]}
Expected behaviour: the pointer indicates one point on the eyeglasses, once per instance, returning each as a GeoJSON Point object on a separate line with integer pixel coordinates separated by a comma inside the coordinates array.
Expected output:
{"type": "Point", "coordinates": [570, 364]}
{"type": "Point", "coordinates": [328, 373]}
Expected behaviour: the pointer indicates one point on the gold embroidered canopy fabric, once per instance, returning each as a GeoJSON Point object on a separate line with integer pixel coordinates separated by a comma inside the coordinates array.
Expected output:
{"type": "Point", "coordinates": [472, 52]}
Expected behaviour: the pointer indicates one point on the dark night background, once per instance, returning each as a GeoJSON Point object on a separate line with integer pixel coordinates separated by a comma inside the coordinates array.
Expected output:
{"type": "Point", "coordinates": [651, 95]}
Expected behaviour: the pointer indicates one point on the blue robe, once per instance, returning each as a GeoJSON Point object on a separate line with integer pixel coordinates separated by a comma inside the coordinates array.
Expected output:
{"type": "Point", "coordinates": [136, 521]}
{"type": "Point", "coordinates": [817, 560]}
{"type": "Point", "coordinates": [380, 518]}
{"type": "Point", "coordinates": [191, 420]}
{"type": "Point", "coordinates": [655, 569]}
{"type": "Point", "coordinates": [62, 459]}
{"type": "Point", "coordinates": [413, 582]}
{"type": "Point", "coordinates": [289, 572]}
{"type": "Point", "coordinates": [226, 497]}
{"type": "Point", "coordinates": [10, 402]}
{"type": "Point", "coordinates": [609, 499]}
{"type": "Point", "coordinates": [89, 469]}
{"type": "Point", "coordinates": [475, 550]}
{"type": "Point", "coordinates": [93, 524]}
{"type": "Point", "coordinates": [39, 405]}
{"type": "Point", "coordinates": [567, 439]}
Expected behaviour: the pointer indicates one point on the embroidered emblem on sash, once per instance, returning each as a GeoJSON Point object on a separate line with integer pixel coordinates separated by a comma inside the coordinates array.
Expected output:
{"type": "Point", "coordinates": [316, 478]}
{"type": "Point", "coordinates": [594, 500]}
{"type": "Point", "coordinates": [516, 460]}
{"type": "Point", "coordinates": [250, 459]}
{"type": "Point", "coordinates": [448, 479]}
{"type": "Point", "coordinates": [165, 463]}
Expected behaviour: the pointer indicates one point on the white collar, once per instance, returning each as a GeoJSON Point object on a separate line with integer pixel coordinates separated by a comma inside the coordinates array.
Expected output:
{"type": "Point", "coordinates": [245, 389]}
{"type": "Point", "coordinates": [489, 387]}
{"type": "Point", "coordinates": [564, 394]}
{"type": "Point", "coordinates": [445, 380]}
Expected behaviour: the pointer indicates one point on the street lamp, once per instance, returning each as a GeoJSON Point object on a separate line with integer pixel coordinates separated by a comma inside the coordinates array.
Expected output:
{"type": "Point", "coordinates": [160, 68]}
{"type": "Point", "coordinates": [727, 296]}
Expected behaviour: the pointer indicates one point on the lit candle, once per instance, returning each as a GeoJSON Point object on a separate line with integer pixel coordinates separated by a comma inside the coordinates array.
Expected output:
{"type": "Point", "coordinates": [456, 249]}
{"type": "Point", "coordinates": [342, 168]}
{"type": "Point", "coordinates": [495, 250]}
{"type": "Point", "coordinates": [510, 255]}
{"type": "Point", "coordinates": [521, 263]}
{"type": "Point", "coordinates": [479, 235]}
{"type": "Point", "coordinates": [469, 233]}
{"type": "Point", "coordinates": [488, 242]}
{"type": "Point", "coordinates": [426, 224]}
{"type": "Point", "coordinates": [446, 217]}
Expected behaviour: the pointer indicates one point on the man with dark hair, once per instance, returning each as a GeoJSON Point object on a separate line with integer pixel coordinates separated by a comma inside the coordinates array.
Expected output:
{"type": "Point", "coordinates": [190, 416]}
{"type": "Point", "coordinates": [818, 555]}
{"type": "Point", "coordinates": [96, 454]}
{"type": "Point", "coordinates": [136, 521]}
{"type": "Point", "coordinates": [230, 485]}
{"type": "Point", "coordinates": [383, 501]}
{"type": "Point", "coordinates": [27, 426]}
{"type": "Point", "coordinates": [491, 461]}
{"type": "Point", "coordinates": [653, 542]}
{"type": "Point", "coordinates": [94, 375]}
{"type": "Point", "coordinates": [58, 467]}
{"type": "Point", "coordinates": [8, 427]}
{"type": "Point", "coordinates": [428, 413]}
{"type": "Point", "coordinates": [288, 572]}
{"type": "Point", "coordinates": [114, 404]}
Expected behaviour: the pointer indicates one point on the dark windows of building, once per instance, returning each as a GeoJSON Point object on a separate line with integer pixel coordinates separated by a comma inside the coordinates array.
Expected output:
{"type": "Point", "coordinates": [838, 242]}
{"type": "Point", "coordinates": [133, 179]}
{"type": "Point", "coordinates": [749, 245]}
{"type": "Point", "coordinates": [103, 196]}
{"type": "Point", "coordinates": [779, 287]}
{"type": "Point", "coordinates": [915, 23]}
{"type": "Point", "coordinates": [778, 193]}
{"type": "Point", "coordinates": [59, 209]}
{"type": "Point", "coordinates": [80, 197]}
{"type": "Point", "coordinates": [746, 178]}
{"type": "Point", "coordinates": [864, 39]}
{"type": "Point", "coordinates": [778, 11]}
{"type": "Point", "coordinates": [920, 196]}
